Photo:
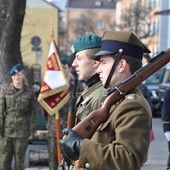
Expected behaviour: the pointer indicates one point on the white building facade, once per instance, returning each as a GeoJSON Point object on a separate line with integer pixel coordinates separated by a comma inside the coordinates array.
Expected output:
{"type": "Point", "coordinates": [164, 26]}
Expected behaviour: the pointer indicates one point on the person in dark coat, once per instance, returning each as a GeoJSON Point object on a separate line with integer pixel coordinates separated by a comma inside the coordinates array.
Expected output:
{"type": "Point", "coordinates": [143, 87]}
{"type": "Point", "coordinates": [166, 121]}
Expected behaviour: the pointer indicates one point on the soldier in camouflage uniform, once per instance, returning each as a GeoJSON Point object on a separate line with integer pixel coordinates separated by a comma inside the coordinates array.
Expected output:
{"type": "Point", "coordinates": [17, 117]}
{"type": "Point", "coordinates": [63, 112]}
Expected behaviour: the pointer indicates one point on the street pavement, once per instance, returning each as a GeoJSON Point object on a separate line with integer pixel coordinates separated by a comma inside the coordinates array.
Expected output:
{"type": "Point", "coordinates": [158, 151]}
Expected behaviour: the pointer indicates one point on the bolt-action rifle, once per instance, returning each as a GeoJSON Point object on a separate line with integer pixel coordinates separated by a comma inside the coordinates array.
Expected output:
{"type": "Point", "coordinates": [72, 110]}
{"type": "Point", "coordinates": [87, 127]}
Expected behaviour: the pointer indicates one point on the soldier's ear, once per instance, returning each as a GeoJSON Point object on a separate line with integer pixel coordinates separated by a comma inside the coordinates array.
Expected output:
{"type": "Point", "coordinates": [122, 65]}
{"type": "Point", "coordinates": [96, 64]}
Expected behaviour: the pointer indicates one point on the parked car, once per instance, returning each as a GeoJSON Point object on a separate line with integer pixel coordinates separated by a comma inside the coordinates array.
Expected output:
{"type": "Point", "coordinates": [152, 83]}
{"type": "Point", "coordinates": [165, 83]}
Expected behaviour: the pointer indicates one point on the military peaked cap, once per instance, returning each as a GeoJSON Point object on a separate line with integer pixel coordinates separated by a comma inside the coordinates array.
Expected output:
{"type": "Point", "coordinates": [113, 41]}
{"type": "Point", "coordinates": [15, 69]}
{"type": "Point", "coordinates": [86, 42]}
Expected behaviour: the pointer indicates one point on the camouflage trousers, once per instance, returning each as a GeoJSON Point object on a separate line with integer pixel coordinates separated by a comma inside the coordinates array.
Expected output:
{"type": "Point", "coordinates": [12, 147]}
{"type": "Point", "coordinates": [52, 149]}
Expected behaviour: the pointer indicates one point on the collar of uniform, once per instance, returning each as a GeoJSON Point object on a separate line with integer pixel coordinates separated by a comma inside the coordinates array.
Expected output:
{"type": "Point", "coordinates": [92, 80]}
{"type": "Point", "coordinates": [25, 87]}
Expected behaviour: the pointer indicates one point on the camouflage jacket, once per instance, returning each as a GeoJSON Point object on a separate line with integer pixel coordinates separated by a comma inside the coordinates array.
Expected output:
{"type": "Point", "coordinates": [90, 99]}
{"type": "Point", "coordinates": [18, 110]}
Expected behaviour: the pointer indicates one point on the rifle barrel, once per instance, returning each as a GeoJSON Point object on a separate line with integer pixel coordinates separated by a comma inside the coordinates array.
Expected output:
{"type": "Point", "coordinates": [87, 127]}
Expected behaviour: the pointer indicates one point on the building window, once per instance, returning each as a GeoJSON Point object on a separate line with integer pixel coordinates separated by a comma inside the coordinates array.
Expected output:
{"type": "Point", "coordinates": [98, 3]}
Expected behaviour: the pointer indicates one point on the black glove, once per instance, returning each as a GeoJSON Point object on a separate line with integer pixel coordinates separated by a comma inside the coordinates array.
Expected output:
{"type": "Point", "coordinates": [66, 131]}
{"type": "Point", "coordinates": [70, 144]}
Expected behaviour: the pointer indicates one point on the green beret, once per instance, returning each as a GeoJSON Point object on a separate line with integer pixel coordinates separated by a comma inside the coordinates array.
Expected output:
{"type": "Point", "coordinates": [15, 69]}
{"type": "Point", "coordinates": [113, 41]}
{"type": "Point", "coordinates": [64, 60]}
{"type": "Point", "coordinates": [86, 42]}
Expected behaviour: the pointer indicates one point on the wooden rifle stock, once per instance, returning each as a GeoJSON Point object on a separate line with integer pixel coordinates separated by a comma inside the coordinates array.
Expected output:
{"type": "Point", "coordinates": [71, 120]}
{"type": "Point", "coordinates": [71, 113]}
{"type": "Point", "coordinates": [87, 127]}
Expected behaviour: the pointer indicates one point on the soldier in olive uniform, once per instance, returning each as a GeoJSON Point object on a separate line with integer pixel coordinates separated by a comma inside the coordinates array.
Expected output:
{"type": "Point", "coordinates": [122, 141]}
{"type": "Point", "coordinates": [18, 119]}
{"type": "Point", "coordinates": [91, 98]}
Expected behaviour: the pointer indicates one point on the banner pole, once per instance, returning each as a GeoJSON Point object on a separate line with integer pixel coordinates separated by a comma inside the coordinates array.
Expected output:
{"type": "Point", "coordinates": [52, 30]}
{"type": "Point", "coordinates": [58, 137]}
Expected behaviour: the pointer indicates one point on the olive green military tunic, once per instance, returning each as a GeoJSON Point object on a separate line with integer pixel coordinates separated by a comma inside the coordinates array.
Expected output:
{"type": "Point", "coordinates": [90, 99]}
{"type": "Point", "coordinates": [17, 114]}
{"type": "Point", "coordinates": [111, 147]}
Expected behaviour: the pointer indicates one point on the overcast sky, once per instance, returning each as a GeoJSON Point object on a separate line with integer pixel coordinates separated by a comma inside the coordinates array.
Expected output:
{"type": "Point", "coordinates": [60, 3]}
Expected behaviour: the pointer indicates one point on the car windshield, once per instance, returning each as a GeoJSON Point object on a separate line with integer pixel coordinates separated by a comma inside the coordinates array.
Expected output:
{"type": "Point", "coordinates": [155, 78]}
{"type": "Point", "coordinates": [166, 78]}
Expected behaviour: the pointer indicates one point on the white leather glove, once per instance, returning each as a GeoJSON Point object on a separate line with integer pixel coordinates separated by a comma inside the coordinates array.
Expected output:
{"type": "Point", "coordinates": [167, 135]}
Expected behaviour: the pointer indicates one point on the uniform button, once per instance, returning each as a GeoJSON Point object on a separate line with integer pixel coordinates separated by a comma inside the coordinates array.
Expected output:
{"type": "Point", "coordinates": [87, 165]}
{"type": "Point", "coordinates": [130, 97]}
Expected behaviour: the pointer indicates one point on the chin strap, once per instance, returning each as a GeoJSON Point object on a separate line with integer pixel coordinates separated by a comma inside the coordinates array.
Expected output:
{"type": "Point", "coordinates": [118, 55]}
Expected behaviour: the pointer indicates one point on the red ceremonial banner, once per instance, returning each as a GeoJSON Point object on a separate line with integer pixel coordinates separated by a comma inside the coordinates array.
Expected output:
{"type": "Point", "coordinates": [54, 89]}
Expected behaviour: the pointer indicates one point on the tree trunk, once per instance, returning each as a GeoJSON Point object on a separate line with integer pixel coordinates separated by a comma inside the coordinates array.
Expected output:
{"type": "Point", "coordinates": [11, 20]}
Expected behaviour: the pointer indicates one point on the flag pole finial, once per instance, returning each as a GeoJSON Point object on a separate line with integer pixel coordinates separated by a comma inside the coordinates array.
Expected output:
{"type": "Point", "coordinates": [52, 30]}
